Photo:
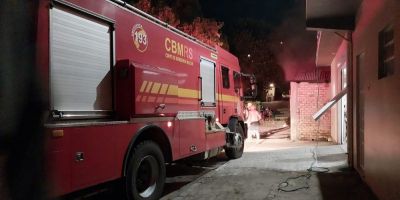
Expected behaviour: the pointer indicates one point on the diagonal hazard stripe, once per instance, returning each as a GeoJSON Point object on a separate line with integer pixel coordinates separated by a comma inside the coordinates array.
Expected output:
{"type": "Point", "coordinates": [164, 88]}
{"type": "Point", "coordinates": [149, 87]}
{"type": "Point", "coordinates": [173, 90]}
{"type": "Point", "coordinates": [143, 86]}
{"type": "Point", "coordinates": [156, 88]}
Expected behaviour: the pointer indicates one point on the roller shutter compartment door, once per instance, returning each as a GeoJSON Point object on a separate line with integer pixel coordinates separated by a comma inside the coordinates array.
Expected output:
{"type": "Point", "coordinates": [80, 62]}
{"type": "Point", "coordinates": [207, 73]}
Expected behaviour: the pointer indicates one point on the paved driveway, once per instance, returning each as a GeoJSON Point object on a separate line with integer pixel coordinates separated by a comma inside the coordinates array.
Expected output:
{"type": "Point", "coordinates": [269, 167]}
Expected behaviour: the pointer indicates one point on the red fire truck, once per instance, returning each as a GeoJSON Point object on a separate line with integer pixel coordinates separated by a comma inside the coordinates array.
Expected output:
{"type": "Point", "coordinates": [128, 93]}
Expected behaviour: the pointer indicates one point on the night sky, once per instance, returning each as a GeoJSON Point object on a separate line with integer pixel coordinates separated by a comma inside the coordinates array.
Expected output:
{"type": "Point", "coordinates": [278, 20]}
{"type": "Point", "coordinates": [230, 11]}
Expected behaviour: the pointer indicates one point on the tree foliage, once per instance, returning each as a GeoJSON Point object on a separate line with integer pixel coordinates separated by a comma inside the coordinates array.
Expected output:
{"type": "Point", "coordinates": [145, 6]}
{"type": "Point", "coordinates": [256, 57]}
{"type": "Point", "coordinates": [206, 30]}
{"type": "Point", "coordinates": [166, 14]}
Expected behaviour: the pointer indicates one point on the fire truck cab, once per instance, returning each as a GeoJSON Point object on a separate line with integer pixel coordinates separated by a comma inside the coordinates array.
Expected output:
{"type": "Point", "coordinates": [129, 93]}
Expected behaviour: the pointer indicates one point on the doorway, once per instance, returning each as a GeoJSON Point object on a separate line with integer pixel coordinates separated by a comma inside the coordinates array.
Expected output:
{"type": "Point", "coordinates": [360, 111]}
{"type": "Point", "coordinates": [343, 108]}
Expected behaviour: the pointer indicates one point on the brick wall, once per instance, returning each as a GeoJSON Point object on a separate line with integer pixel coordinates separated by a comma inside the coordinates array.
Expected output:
{"type": "Point", "coordinates": [304, 102]}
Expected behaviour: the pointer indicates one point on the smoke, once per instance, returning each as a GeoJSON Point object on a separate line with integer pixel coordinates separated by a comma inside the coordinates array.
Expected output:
{"type": "Point", "coordinates": [293, 46]}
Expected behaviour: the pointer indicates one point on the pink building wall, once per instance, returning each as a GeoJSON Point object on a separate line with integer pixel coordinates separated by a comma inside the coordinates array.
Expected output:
{"type": "Point", "coordinates": [375, 107]}
{"type": "Point", "coordinates": [381, 169]}
{"type": "Point", "coordinates": [339, 62]}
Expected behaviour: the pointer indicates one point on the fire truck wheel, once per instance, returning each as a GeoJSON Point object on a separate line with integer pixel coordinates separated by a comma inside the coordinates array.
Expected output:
{"type": "Point", "coordinates": [145, 176]}
{"type": "Point", "coordinates": [235, 152]}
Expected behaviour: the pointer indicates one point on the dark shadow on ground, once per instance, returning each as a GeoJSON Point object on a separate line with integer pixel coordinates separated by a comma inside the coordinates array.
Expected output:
{"type": "Point", "coordinates": [184, 172]}
{"type": "Point", "coordinates": [345, 184]}
{"type": "Point", "coordinates": [275, 133]}
{"type": "Point", "coordinates": [178, 175]}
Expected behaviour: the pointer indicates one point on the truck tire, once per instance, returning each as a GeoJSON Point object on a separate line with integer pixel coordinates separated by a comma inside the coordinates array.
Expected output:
{"type": "Point", "coordinates": [145, 175]}
{"type": "Point", "coordinates": [235, 152]}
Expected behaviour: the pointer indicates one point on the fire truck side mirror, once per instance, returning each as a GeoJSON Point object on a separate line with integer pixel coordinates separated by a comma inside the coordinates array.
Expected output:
{"type": "Point", "coordinates": [237, 81]}
{"type": "Point", "coordinates": [252, 80]}
{"type": "Point", "coordinates": [250, 91]}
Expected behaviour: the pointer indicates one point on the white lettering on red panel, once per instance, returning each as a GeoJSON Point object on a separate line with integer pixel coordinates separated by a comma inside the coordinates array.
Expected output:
{"type": "Point", "coordinates": [178, 52]}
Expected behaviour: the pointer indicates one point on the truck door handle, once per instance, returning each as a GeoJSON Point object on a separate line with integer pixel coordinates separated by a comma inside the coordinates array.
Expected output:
{"type": "Point", "coordinates": [224, 110]}
{"type": "Point", "coordinates": [200, 88]}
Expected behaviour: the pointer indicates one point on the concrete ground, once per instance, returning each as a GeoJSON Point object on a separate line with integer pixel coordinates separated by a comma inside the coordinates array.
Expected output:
{"type": "Point", "coordinates": [275, 168]}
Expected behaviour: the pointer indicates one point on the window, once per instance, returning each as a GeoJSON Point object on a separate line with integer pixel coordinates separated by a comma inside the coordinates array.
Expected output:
{"type": "Point", "coordinates": [386, 52]}
{"type": "Point", "coordinates": [225, 77]}
{"type": "Point", "coordinates": [236, 80]}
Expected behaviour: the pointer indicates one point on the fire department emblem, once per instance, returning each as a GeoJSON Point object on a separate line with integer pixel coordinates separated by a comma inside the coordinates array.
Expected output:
{"type": "Point", "coordinates": [140, 39]}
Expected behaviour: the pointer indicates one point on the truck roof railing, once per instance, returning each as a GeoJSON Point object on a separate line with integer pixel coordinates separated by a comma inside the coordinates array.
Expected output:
{"type": "Point", "coordinates": [164, 24]}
